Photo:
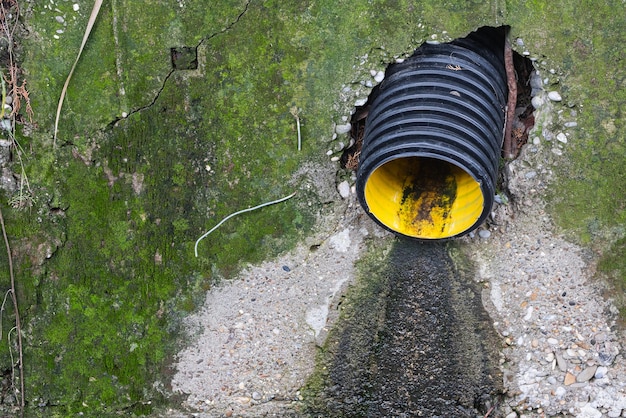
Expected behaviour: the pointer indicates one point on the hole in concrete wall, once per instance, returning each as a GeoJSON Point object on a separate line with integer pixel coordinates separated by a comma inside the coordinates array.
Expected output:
{"type": "Point", "coordinates": [429, 139]}
{"type": "Point", "coordinates": [184, 58]}
{"type": "Point", "coordinates": [522, 123]}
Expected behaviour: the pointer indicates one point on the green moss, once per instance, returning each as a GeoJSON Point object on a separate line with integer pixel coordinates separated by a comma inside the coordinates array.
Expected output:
{"type": "Point", "coordinates": [612, 264]}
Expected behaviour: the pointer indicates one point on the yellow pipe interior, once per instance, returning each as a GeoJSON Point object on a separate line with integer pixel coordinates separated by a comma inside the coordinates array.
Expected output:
{"type": "Point", "coordinates": [424, 197]}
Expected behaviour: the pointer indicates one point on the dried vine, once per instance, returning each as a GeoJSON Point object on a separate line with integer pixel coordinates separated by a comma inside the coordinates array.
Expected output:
{"type": "Point", "coordinates": [18, 325]}
{"type": "Point", "coordinates": [510, 107]}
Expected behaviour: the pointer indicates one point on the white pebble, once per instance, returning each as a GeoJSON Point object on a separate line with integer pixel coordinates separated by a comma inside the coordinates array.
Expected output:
{"type": "Point", "coordinates": [484, 233]}
{"type": "Point", "coordinates": [557, 151]}
{"type": "Point", "coordinates": [344, 189]}
{"type": "Point", "coordinates": [589, 411]}
{"type": "Point", "coordinates": [529, 313]}
{"type": "Point", "coordinates": [553, 341]}
{"type": "Point", "coordinates": [380, 76]}
{"type": "Point", "coordinates": [561, 137]}
{"type": "Point", "coordinates": [59, 19]}
{"type": "Point", "coordinates": [334, 159]}
{"type": "Point", "coordinates": [5, 124]}
{"type": "Point", "coordinates": [537, 102]}
{"type": "Point", "coordinates": [536, 140]}
{"type": "Point", "coordinates": [601, 372]}
{"type": "Point", "coordinates": [360, 102]}
{"type": "Point", "coordinates": [560, 392]}
{"type": "Point", "coordinates": [75, 6]}
{"type": "Point", "coordinates": [373, 73]}
{"type": "Point", "coordinates": [343, 128]}
{"type": "Point", "coordinates": [554, 96]}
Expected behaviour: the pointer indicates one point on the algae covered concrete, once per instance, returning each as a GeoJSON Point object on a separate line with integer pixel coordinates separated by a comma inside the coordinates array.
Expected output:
{"type": "Point", "coordinates": [155, 148]}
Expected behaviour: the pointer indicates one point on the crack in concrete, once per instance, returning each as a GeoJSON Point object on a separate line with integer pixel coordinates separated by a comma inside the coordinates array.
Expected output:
{"type": "Point", "coordinates": [201, 60]}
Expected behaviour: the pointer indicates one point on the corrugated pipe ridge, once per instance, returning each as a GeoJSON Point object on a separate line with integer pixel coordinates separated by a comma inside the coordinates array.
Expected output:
{"type": "Point", "coordinates": [429, 162]}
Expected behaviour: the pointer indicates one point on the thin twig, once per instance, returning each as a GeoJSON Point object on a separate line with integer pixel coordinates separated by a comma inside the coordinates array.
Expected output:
{"type": "Point", "coordinates": [510, 107]}
{"type": "Point", "coordinates": [489, 411]}
{"type": "Point", "coordinates": [295, 112]}
{"type": "Point", "coordinates": [90, 23]}
{"type": "Point", "coordinates": [18, 325]}
{"type": "Point", "coordinates": [4, 301]}
{"type": "Point", "coordinates": [238, 213]}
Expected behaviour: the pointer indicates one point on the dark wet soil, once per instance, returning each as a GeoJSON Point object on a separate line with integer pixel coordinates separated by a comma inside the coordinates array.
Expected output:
{"type": "Point", "coordinates": [422, 345]}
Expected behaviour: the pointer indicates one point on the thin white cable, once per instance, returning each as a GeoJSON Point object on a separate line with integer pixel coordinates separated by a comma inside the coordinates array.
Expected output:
{"type": "Point", "coordinates": [238, 213]}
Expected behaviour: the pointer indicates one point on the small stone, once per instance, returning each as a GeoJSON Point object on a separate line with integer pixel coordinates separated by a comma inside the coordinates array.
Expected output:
{"type": "Point", "coordinates": [343, 128]}
{"type": "Point", "coordinates": [589, 411]}
{"type": "Point", "coordinates": [360, 102]}
{"type": "Point", "coordinates": [380, 76]}
{"type": "Point", "coordinates": [529, 313]}
{"type": "Point", "coordinates": [286, 268]}
{"type": "Point", "coordinates": [256, 396]}
{"type": "Point", "coordinates": [537, 102]}
{"type": "Point", "coordinates": [484, 233]}
{"type": "Point", "coordinates": [586, 374]}
{"type": "Point", "coordinates": [569, 379]}
{"type": "Point", "coordinates": [344, 189]}
{"type": "Point", "coordinates": [334, 159]}
{"type": "Point", "coordinates": [557, 151]}
{"type": "Point", "coordinates": [560, 392]}
{"type": "Point", "coordinates": [601, 372]}
{"type": "Point", "coordinates": [553, 341]}
{"type": "Point", "coordinates": [570, 124]}
{"type": "Point", "coordinates": [5, 124]}
{"type": "Point", "coordinates": [59, 19]}
{"type": "Point", "coordinates": [76, 6]}
{"type": "Point", "coordinates": [562, 137]}
{"type": "Point", "coordinates": [554, 96]}
{"type": "Point", "coordinates": [8, 100]}
{"type": "Point", "coordinates": [560, 361]}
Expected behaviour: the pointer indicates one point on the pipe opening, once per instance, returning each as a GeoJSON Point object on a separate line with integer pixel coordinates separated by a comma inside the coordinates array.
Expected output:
{"type": "Point", "coordinates": [428, 141]}
{"type": "Point", "coordinates": [424, 197]}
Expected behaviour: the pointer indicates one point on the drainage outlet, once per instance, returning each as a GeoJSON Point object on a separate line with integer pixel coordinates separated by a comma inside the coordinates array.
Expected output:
{"type": "Point", "coordinates": [432, 142]}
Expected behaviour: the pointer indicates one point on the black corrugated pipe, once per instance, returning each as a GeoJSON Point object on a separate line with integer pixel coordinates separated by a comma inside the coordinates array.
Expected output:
{"type": "Point", "coordinates": [433, 138]}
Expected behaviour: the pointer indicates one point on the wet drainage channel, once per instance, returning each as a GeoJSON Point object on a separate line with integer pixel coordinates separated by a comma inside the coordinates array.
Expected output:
{"type": "Point", "coordinates": [414, 341]}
